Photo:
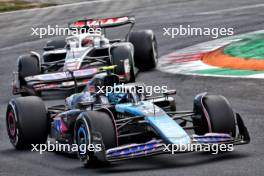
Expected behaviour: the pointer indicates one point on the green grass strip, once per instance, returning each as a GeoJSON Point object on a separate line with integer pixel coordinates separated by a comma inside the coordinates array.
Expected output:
{"type": "Point", "coordinates": [11, 5]}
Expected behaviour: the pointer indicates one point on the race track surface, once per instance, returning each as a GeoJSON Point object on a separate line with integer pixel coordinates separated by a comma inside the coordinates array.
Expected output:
{"type": "Point", "coordinates": [246, 96]}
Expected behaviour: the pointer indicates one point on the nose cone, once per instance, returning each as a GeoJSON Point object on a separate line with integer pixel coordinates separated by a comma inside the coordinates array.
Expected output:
{"type": "Point", "coordinates": [169, 130]}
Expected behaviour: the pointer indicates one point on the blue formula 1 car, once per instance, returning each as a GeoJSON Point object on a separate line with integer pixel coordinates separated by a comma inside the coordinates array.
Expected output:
{"type": "Point", "coordinates": [126, 124]}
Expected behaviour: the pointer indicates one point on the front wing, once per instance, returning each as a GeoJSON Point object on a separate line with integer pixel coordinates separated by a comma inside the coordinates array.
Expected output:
{"type": "Point", "coordinates": [58, 81]}
{"type": "Point", "coordinates": [156, 147]}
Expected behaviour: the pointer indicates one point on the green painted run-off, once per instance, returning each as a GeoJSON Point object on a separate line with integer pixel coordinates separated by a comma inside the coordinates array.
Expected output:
{"type": "Point", "coordinates": [227, 72]}
{"type": "Point", "coordinates": [251, 47]}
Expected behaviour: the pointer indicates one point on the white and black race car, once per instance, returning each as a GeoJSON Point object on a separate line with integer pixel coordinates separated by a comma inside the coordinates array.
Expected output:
{"type": "Point", "coordinates": [79, 57]}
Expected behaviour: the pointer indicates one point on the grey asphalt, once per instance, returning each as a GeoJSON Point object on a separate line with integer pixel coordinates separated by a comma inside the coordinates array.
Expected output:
{"type": "Point", "coordinates": [246, 96]}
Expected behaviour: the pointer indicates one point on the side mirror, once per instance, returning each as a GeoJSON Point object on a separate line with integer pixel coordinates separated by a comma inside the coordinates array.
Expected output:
{"type": "Point", "coordinates": [170, 92]}
{"type": "Point", "coordinates": [48, 48]}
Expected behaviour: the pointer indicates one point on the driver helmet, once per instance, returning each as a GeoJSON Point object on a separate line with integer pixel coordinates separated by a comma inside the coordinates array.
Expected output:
{"type": "Point", "coordinates": [72, 102]}
{"type": "Point", "coordinates": [87, 41]}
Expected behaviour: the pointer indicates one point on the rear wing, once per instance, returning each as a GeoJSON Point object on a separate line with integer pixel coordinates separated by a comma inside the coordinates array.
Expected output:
{"type": "Point", "coordinates": [102, 23]}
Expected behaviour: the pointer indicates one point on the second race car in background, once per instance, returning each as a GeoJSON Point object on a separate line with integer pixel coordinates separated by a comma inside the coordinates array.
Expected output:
{"type": "Point", "coordinates": [79, 56]}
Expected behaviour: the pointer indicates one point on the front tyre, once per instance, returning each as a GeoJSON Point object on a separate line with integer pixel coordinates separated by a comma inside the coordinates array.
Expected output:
{"type": "Point", "coordinates": [28, 65]}
{"type": "Point", "coordinates": [86, 125]}
{"type": "Point", "coordinates": [213, 115]}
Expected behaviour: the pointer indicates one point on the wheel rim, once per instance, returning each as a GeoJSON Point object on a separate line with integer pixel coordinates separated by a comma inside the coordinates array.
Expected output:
{"type": "Point", "coordinates": [11, 122]}
{"type": "Point", "coordinates": [82, 136]}
{"type": "Point", "coordinates": [82, 139]}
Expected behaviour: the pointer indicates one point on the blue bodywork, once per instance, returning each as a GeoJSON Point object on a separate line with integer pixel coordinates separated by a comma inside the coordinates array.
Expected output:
{"type": "Point", "coordinates": [132, 105]}
{"type": "Point", "coordinates": [169, 130]}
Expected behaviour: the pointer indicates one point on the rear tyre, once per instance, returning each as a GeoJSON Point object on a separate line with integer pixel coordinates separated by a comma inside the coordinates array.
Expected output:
{"type": "Point", "coordinates": [28, 65]}
{"type": "Point", "coordinates": [52, 57]}
{"type": "Point", "coordinates": [57, 44]}
{"type": "Point", "coordinates": [123, 57]}
{"type": "Point", "coordinates": [145, 47]}
{"type": "Point", "coordinates": [94, 122]}
{"type": "Point", "coordinates": [217, 115]}
{"type": "Point", "coordinates": [27, 122]}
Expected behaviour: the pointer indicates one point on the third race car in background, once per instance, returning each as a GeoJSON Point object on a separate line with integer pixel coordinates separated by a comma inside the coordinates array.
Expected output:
{"type": "Point", "coordinates": [79, 56]}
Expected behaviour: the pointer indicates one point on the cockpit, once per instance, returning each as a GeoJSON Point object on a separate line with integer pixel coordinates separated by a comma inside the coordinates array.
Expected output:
{"type": "Point", "coordinates": [87, 40]}
{"type": "Point", "coordinates": [106, 88]}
